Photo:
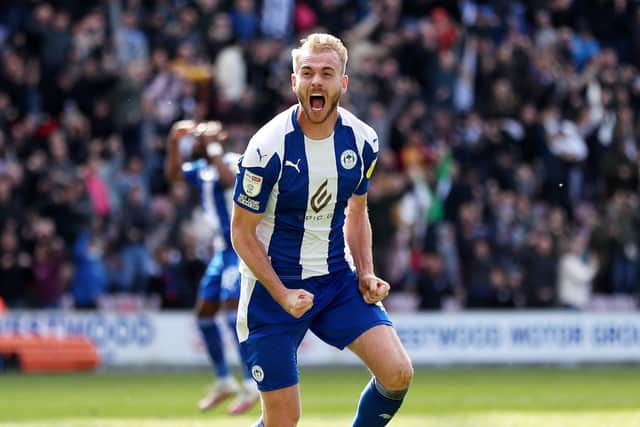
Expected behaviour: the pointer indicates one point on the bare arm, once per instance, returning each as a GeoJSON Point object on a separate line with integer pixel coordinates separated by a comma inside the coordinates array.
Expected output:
{"type": "Point", "coordinates": [296, 302]}
{"type": "Point", "coordinates": [173, 162]}
{"type": "Point", "coordinates": [227, 176]}
{"type": "Point", "coordinates": [357, 230]}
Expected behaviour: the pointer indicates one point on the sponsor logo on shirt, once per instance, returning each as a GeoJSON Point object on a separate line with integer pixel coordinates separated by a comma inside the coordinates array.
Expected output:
{"type": "Point", "coordinates": [321, 197]}
{"type": "Point", "coordinates": [251, 183]}
{"type": "Point", "coordinates": [250, 203]}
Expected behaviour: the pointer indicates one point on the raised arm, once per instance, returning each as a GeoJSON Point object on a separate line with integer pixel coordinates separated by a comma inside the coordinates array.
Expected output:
{"type": "Point", "coordinates": [227, 175]}
{"type": "Point", "coordinates": [213, 138]}
{"type": "Point", "coordinates": [296, 302]}
{"type": "Point", "coordinates": [173, 162]}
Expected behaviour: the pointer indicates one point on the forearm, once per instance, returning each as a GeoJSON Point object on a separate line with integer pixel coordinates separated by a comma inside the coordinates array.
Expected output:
{"type": "Point", "coordinates": [172, 162]}
{"type": "Point", "coordinates": [358, 236]}
{"type": "Point", "coordinates": [251, 251]}
{"type": "Point", "coordinates": [227, 177]}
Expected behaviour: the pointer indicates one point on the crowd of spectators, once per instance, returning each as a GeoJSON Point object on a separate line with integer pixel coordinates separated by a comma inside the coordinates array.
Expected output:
{"type": "Point", "coordinates": [509, 162]}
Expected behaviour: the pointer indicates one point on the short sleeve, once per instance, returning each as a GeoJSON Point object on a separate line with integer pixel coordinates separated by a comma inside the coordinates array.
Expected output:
{"type": "Point", "coordinates": [255, 180]}
{"type": "Point", "coordinates": [369, 159]}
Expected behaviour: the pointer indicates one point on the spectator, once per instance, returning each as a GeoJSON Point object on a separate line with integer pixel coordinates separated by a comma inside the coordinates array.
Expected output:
{"type": "Point", "coordinates": [576, 269]}
{"type": "Point", "coordinates": [497, 122]}
{"type": "Point", "coordinates": [540, 267]}
{"type": "Point", "coordinates": [433, 285]}
{"type": "Point", "coordinates": [90, 280]}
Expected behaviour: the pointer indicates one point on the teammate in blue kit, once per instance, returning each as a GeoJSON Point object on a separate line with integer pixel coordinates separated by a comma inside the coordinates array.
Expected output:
{"type": "Point", "coordinates": [213, 174]}
{"type": "Point", "coordinates": [300, 225]}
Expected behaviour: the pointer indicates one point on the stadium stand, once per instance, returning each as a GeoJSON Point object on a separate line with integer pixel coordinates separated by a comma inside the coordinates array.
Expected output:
{"type": "Point", "coordinates": [509, 131]}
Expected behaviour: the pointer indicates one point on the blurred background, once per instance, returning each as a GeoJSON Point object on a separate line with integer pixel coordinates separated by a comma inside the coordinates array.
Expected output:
{"type": "Point", "coordinates": [504, 205]}
{"type": "Point", "coordinates": [508, 131]}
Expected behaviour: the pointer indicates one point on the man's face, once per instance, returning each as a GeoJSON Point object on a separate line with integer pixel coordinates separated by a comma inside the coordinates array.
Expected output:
{"type": "Point", "coordinates": [319, 84]}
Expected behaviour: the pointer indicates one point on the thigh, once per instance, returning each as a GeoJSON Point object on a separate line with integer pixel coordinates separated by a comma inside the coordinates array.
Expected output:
{"type": "Point", "coordinates": [211, 282]}
{"type": "Point", "coordinates": [206, 308]}
{"type": "Point", "coordinates": [272, 359]}
{"type": "Point", "coordinates": [383, 353]}
{"type": "Point", "coordinates": [347, 316]}
{"type": "Point", "coordinates": [281, 408]}
{"type": "Point", "coordinates": [230, 279]}
{"type": "Point", "coordinates": [269, 337]}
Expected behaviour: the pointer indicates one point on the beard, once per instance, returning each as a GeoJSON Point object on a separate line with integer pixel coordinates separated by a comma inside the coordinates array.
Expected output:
{"type": "Point", "coordinates": [330, 106]}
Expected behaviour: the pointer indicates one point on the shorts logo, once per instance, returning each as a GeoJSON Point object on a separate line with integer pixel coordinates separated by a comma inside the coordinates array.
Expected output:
{"type": "Point", "coordinates": [257, 373]}
{"type": "Point", "coordinates": [348, 159]}
{"type": "Point", "coordinates": [321, 197]}
{"type": "Point", "coordinates": [251, 183]}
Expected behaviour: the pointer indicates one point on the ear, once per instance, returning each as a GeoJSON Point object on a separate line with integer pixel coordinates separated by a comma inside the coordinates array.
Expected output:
{"type": "Point", "coordinates": [293, 81]}
{"type": "Point", "coordinates": [345, 84]}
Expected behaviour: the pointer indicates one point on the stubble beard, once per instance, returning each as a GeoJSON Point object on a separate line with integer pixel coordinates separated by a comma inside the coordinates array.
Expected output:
{"type": "Point", "coordinates": [333, 105]}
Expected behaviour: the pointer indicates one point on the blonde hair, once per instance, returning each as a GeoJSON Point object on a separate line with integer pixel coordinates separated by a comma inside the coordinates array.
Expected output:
{"type": "Point", "coordinates": [318, 42]}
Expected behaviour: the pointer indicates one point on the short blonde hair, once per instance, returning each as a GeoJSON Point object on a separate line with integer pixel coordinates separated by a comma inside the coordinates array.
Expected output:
{"type": "Point", "coordinates": [318, 42]}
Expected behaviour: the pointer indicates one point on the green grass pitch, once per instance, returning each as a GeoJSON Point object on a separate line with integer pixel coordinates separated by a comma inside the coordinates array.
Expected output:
{"type": "Point", "coordinates": [479, 397]}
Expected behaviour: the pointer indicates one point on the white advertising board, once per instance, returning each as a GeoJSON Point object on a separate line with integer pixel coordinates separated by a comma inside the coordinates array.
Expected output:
{"type": "Point", "coordinates": [172, 338]}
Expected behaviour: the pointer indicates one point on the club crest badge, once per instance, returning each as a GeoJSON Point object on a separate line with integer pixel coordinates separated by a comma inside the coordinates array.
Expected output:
{"type": "Point", "coordinates": [348, 159]}
{"type": "Point", "coordinates": [257, 373]}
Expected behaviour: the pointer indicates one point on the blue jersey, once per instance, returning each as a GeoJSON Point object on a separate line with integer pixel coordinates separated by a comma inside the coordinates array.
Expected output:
{"type": "Point", "coordinates": [216, 201]}
{"type": "Point", "coordinates": [302, 187]}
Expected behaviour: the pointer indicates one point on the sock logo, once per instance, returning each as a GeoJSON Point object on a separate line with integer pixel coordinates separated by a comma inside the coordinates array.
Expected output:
{"type": "Point", "coordinates": [385, 416]}
{"type": "Point", "coordinates": [257, 373]}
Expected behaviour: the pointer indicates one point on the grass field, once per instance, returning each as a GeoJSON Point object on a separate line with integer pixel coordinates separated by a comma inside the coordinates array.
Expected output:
{"type": "Point", "coordinates": [589, 397]}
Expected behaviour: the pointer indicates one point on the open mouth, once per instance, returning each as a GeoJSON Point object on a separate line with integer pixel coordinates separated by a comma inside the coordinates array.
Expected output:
{"type": "Point", "coordinates": [317, 102]}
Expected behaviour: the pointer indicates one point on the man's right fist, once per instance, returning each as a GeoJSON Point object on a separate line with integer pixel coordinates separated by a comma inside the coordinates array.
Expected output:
{"type": "Point", "coordinates": [297, 302]}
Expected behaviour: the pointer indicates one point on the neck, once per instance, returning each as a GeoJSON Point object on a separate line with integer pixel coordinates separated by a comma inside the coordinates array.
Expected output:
{"type": "Point", "coordinates": [317, 130]}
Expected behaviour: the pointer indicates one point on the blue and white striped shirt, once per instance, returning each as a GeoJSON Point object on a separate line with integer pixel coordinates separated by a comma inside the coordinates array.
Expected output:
{"type": "Point", "coordinates": [302, 186]}
{"type": "Point", "coordinates": [216, 201]}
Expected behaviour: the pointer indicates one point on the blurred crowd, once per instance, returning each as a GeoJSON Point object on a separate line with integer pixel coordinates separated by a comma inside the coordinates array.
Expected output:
{"type": "Point", "coordinates": [509, 162]}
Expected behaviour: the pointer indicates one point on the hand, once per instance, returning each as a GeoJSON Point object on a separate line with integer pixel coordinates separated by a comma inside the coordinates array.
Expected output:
{"type": "Point", "coordinates": [297, 302]}
{"type": "Point", "coordinates": [182, 128]}
{"type": "Point", "coordinates": [373, 288]}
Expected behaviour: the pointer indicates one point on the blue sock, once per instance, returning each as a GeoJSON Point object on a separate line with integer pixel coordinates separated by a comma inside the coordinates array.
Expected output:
{"type": "Point", "coordinates": [213, 341]}
{"type": "Point", "coordinates": [231, 322]}
{"type": "Point", "coordinates": [377, 406]}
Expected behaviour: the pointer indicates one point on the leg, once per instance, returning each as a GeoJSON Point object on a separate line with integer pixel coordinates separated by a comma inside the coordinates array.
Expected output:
{"type": "Point", "coordinates": [366, 329]}
{"type": "Point", "coordinates": [230, 309]}
{"type": "Point", "coordinates": [207, 306]}
{"type": "Point", "coordinates": [281, 408]}
{"type": "Point", "coordinates": [270, 337]}
{"type": "Point", "coordinates": [229, 296]}
{"type": "Point", "coordinates": [248, 395]}
{"type": "Point", "coordinates": [205, 313]}
{"type": "Point", "coordinates": [381, 350]}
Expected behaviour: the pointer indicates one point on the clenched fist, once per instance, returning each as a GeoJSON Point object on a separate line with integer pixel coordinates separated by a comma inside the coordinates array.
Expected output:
{"type": "Point", "coordinates": [182, 128]}
{"type": "Point", "coordinates": [373, 288]}
{"type": "Point", "coordinates": [297, 302]}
